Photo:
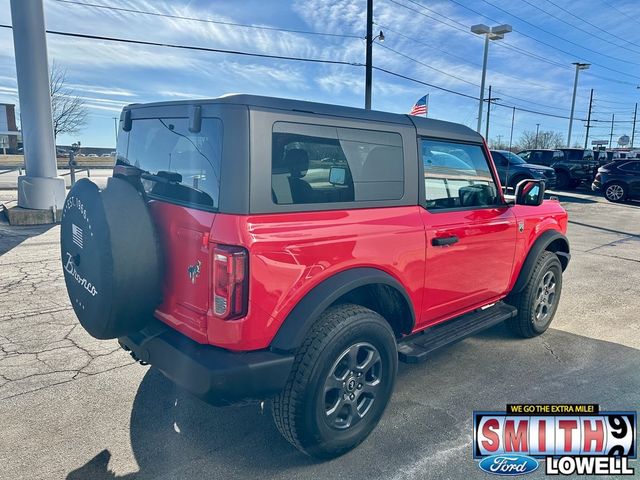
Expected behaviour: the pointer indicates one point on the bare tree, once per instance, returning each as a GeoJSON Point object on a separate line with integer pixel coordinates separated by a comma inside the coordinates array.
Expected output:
{"type": "Point", "coordinates": [544, 139]}
{"type": "Point", "coordinates": [69, 110]}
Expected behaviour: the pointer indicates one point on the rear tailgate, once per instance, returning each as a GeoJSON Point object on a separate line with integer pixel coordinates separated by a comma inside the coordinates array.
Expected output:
{"type": "Point", "coordinates": [184, 234]}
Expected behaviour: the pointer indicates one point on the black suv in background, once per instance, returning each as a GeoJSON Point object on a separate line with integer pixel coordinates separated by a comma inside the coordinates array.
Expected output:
{"type": "Point", "coordinates": [572, 165]}
{"type": "Point", "coordinates": [512, 169]}
{"type": "Point", "coordinates": [619, 181]}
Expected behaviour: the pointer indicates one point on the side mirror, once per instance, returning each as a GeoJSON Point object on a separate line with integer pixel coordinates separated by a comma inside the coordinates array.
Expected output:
{"type": "Point", "coordinates": [530, 192]}
{"type": "Point", "coordinates": [337, 176]}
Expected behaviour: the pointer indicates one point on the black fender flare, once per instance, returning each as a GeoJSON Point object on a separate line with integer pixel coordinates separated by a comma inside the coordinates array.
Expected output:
{"type": "Point", "coordinates": [560, 248]}
{"type": "Point", "coordinates": [295, 327]}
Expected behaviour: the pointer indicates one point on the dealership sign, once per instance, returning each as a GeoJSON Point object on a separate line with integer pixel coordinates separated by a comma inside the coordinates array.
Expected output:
{"type": "Point", "coordinates": [570, 438]}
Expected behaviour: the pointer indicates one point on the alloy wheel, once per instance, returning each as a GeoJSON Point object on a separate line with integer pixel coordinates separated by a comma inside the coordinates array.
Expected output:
{"type": "Point", "coordinates": [614, 192]}
{"type": "Point", "coordinates": [545, 299]}
{"type": "Point", "coordinates": [352, 385]}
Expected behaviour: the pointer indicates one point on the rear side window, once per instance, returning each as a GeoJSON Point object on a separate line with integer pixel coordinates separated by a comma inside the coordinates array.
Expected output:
{"type": "Point", "coordinates": [319, 164]}
{"type": "Point", "coordinates": [456, 176]}
{"type": "Point", "coordinates": [630, 167]}
{"type": "Point", "coordinates": [187, 163]}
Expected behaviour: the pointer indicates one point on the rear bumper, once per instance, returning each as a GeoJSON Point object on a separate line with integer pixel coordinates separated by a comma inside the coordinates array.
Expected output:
{"type": "Point", "coordinates": [596, 186]}
{"type": "Point", "coordinates": [217, 376]}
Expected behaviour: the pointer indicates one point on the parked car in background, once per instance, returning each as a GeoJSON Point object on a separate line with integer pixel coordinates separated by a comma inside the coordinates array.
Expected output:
{"type": "Point", "coordinates": [512, 169]}
{"type": "Point", "coordinates": [619, 181]}
{"type": "Point", "coordinates": [105, 155]}
{"type": "Point", "coordinates": [602, 157]}
{"type": "Point", "coordinates": [92, 155]}
{"type": "Point", "coordinates": [572, 165]}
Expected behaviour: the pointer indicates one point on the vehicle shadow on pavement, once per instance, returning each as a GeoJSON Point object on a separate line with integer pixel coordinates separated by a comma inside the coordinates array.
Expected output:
{"type": "Point", "coordinates": [569, 198]}
{"type": "Point", "coordinates": [12, 236]}
{"type": "Point", "coordinates": [426, 431]}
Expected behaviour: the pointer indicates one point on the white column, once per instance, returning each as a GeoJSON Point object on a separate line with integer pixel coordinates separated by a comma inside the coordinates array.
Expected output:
{"type": "Point", "coordinates": [40, 188]}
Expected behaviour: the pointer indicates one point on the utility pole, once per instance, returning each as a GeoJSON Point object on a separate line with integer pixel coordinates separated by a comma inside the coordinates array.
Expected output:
{"type": "Point", "coordinates": [537, 131]}
{"type": "Point", "coordinates": [40, 188]}
{"type": "Point", "coordinates": [369, 60]}
{"type": "Point", "coordinates": [586, 138]}
{"type": "Point", "coordinates": [513, 119]}
{"type": "Point", "coordinates": [579, 66]}
{"type": "Point", "coordinates": [499, 141]}
{"type": "Point", "coordinates": [489, 100]}
{"type": "Point", "coordinates": [486, 132]}
{"type": "Point", "coordinates": [633, 131]}
{"type": "Point", "coordinates": [613, 118]}
{"type": "Point", "coordinates": [115, 128]}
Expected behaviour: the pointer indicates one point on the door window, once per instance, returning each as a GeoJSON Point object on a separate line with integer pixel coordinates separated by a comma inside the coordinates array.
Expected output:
{"type": "Point", "coordinates": [318, 164]}
{"type": "Point", "coordinates": [457, 176]}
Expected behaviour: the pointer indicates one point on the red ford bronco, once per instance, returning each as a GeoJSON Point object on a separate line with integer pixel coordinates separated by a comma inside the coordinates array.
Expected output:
{"type": "Point", "coordinates": [255, 248]}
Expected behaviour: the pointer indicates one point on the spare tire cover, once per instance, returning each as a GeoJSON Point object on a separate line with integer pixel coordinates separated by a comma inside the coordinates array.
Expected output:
{"type": "Point", "coordinates": [110, 258]}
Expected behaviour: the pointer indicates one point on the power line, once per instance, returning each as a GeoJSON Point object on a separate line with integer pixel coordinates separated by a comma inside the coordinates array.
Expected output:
{"type": "Point", "coordinates": [540, 41]}
{"type": "Point", "coordinates": [463, 80]}
{"type": "Point", "coordinates": [204, 20]}
{"type": "Point", "coordinates": [507, 45]}
{"type": "Point", "coordinates": [588, 32]}
{"type": "Point", "coordinates": [557, 36]}
{"type": "Point", "coordinates": [626, 14]}
{"type": "Point", "coordinates": [291, 58]}
{"type": "Point", "coordinates": [428, 66]}
{"type": "Point", "coordinates": [191, 47]}
{"type": "Point", "coordinates": [462, 59]}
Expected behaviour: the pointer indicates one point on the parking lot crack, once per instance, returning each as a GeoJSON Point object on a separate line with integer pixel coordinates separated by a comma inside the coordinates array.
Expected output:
{"type": "Point", "coordinates": [548, 347]}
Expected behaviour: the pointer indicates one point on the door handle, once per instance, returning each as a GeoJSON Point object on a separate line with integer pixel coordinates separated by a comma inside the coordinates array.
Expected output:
{"type": "Point", "coordinates": [443, 241]}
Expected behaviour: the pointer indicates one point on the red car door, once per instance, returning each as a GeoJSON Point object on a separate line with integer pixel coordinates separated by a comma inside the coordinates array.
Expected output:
{"type": "Point", "coordinates": [470, 231]}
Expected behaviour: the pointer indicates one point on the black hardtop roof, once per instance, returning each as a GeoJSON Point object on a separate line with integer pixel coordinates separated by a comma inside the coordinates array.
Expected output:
{"type": "Point", "coordinates": [540, 149]}
{"type": "Point", "coordinates": [424, 126]}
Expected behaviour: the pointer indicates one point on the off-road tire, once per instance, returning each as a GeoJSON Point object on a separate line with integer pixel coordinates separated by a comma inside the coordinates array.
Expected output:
{"type": "Point", "coordinates": [299, 410]}
{"type": "Point", "coordinates": [517, 180]}
{"type": "Point", "coordinates": [563, 180]}
{"type": "Point", "coordinates": [525, 323]}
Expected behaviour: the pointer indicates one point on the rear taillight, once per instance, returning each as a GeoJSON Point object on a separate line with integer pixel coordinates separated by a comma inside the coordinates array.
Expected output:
{"type": "Point", "coordinates": [230, 282]}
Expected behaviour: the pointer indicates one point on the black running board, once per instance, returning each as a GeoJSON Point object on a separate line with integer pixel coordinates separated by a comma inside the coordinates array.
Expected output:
{"type": "Point", "coordinates": [416, 348]}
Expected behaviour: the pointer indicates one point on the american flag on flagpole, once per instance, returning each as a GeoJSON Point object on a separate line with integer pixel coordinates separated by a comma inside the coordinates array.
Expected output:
{"type": "Point", "coordinates": [421, 107]}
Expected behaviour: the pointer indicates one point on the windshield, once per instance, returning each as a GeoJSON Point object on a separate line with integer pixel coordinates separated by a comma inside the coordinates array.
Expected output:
{"type": "Point", "coordinates": [190, 162]}
{"type": "Point", "coordinates": [513, 158]}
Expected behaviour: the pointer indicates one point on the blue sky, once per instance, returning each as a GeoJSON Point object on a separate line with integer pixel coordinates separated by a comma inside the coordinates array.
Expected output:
{"type": "Point", "coordinates": [530, 69]}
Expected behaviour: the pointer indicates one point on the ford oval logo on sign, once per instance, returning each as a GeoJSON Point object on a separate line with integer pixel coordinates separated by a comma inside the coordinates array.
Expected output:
{"type": "Point", "coordinates": [508, 464]}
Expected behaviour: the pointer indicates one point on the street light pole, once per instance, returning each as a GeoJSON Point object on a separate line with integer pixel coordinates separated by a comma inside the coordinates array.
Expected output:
{"type": "Point", "coordinates": [579, 66]}
{"type": "Point", "coordinates": [369, 54]}
{"type": "Point", "coordinates": [484, 76]}
{"type": "Point", "coordinates": [537, 131]}
{"type": "Point", "coordinates": [490, 33]}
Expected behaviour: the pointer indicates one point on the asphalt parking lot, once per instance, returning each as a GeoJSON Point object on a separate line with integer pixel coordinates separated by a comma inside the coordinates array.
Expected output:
{"type": "Point", "coordinates": [77, 408]}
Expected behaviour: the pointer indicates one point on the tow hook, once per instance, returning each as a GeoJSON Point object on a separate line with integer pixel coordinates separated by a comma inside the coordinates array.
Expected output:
{"type": "Point", "coordinates": [133, 355]}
